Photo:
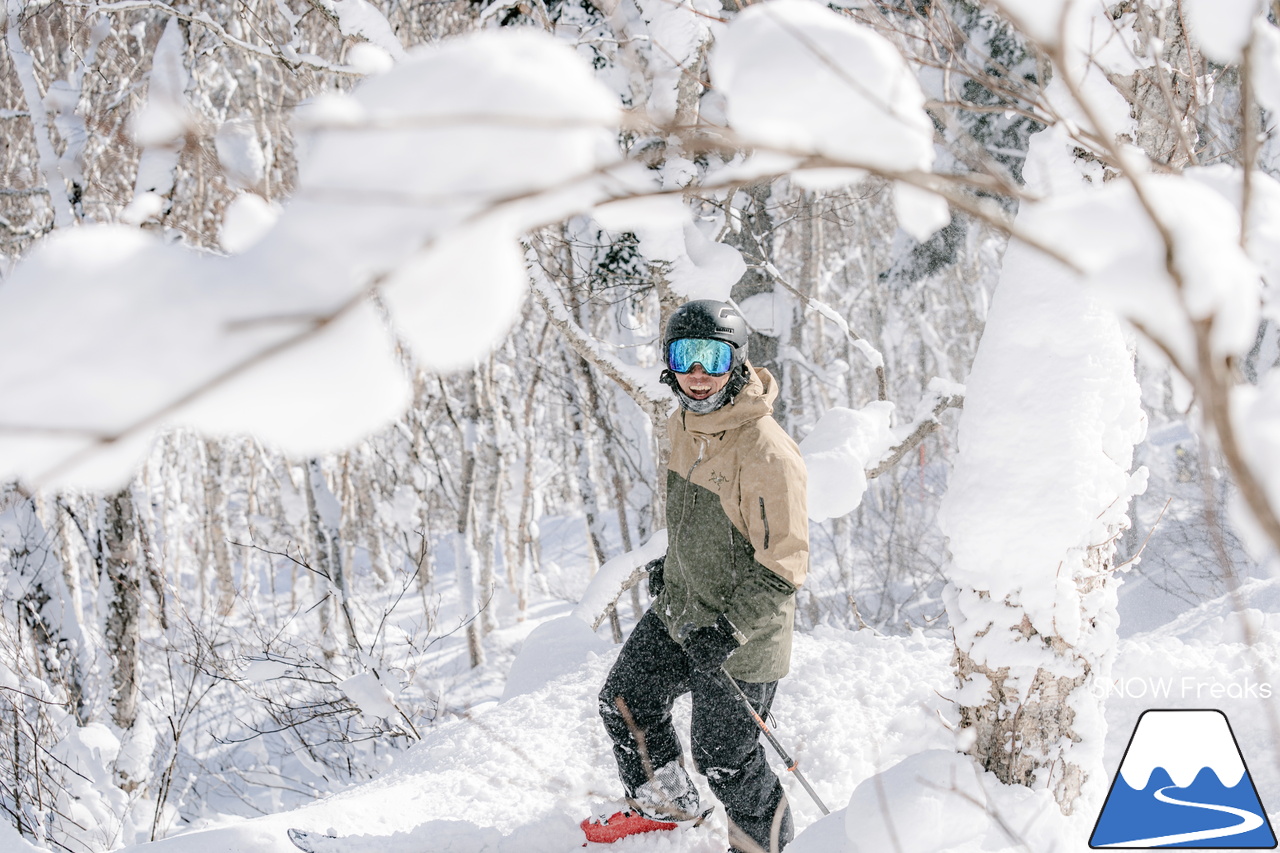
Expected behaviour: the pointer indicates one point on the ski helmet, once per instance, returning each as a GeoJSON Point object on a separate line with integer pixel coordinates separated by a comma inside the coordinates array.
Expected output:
{"type": "Point", "coordinates": [706, 318]}
{"type": "Point", "coordinates": [713, 320]}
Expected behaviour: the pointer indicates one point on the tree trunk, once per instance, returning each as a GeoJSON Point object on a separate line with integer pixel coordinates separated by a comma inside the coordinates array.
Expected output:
{"type": "Point", "coordinates": [48, 606]}
{"type": "Point", "coordinates": [418, 433]}
{"type": "Point", "coordinates": [1020, 737]}
{"type": "Point", "coordinates": [122, 567]}
{"type": "Point", "coordinates": [527, 545]}
{"type": "Point", "coordinates": [1031, 523]}
{"type": "Point", "coordinates": [465, 558]}
{"type": "Point", "coordinates": [326, 520]}
{"type": "Point", "coordinates": [755, 241]}
{"type": "Point", "coordinates": [366, 496]}
{"type": "Point", "coordinates": [486, 493]}
{"type": "Point", "coordinates": [47, 161]}
{"type": "Point", "coordinates": [217, 525]}
{"type": "Point", "coordinates": [582, 458]}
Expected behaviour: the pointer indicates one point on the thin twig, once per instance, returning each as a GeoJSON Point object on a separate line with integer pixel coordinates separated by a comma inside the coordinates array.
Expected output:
{"type": "Point", "coordinates": [1150, 533]}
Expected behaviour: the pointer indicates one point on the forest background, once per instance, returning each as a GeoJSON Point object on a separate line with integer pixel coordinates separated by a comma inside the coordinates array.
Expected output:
{"type": "Point", "coordinates": [247, 559]}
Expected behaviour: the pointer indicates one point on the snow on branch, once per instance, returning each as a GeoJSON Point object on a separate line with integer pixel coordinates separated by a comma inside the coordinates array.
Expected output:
{"type": "Point", "coordinates": [282, 341]}
{"type": "Point", "coordinates": [653, 399]}
{"type": "Point", "coordinates": [360, 20]}
{"type": "Point", "coordinates": [287, 54]}
{"type": "Point", "coordinates": [1180, 264]}
{"type": "Point", "coordinates": [872, 355]}
{"type": "Point", "coordinates": [615, 577]}
{"type": "Point", "coordinates": [942, 395]}
{"type": "Point", "coordinates": [849, 447]}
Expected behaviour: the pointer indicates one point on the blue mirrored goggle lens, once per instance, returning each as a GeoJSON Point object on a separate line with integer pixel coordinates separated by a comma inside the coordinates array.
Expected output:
{"type": "Point", "coordinates": [716, 357]}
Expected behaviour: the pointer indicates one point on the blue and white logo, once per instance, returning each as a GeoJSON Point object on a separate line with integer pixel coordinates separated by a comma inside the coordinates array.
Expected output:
{"type": "Point", "coordinates": [1183, 783]}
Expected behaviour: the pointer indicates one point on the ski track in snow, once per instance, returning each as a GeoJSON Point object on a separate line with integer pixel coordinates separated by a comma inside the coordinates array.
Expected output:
{"type": "Point", "coordinates": [1249, 822]}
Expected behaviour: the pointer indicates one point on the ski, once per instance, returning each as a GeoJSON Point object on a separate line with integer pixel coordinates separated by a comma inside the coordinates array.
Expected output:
{"type": "Point", "coordinates": [313, 842]}
{"type": "Point", "coordinates": [619, 825]}
{"type": "Point", "coordinates": [597, 829]}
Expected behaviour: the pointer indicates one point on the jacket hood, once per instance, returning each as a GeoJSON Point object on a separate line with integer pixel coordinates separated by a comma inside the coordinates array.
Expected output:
{"type": "Point", "coordinates": [753, 402]}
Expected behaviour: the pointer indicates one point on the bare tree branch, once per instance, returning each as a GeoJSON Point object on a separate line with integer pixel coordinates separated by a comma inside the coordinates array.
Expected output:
{"type": "Point", "coordinates": [918, 431]}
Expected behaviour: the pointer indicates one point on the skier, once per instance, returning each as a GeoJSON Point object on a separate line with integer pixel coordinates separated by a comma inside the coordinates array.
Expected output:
{"type": "Point", "coordinates": [724, 593]}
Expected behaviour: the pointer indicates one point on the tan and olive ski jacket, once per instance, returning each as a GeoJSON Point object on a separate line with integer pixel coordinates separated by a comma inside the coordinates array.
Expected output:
{"type": "Point", "coordinates": [737, 527]}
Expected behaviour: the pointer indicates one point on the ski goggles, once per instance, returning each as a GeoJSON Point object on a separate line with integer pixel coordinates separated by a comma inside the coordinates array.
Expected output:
{"type": "Point", "coordinates": [716, 357]}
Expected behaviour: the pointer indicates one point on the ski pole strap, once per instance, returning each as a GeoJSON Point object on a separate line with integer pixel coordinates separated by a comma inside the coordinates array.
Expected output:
{"type": "Point", "coordinates": [792, 765]}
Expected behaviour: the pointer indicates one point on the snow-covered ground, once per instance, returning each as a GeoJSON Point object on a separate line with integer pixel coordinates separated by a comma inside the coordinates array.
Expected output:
{"type": "Point", "coordinates": [518, 775]}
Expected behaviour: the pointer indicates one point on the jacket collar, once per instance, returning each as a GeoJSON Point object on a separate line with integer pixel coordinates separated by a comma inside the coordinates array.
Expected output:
{"type": "Point", "coordinates": [753, 402]}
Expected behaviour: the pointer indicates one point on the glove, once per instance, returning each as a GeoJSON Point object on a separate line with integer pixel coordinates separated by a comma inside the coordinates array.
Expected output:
{"type": "Point", "coordinates": [654, 568]}
{"type": "Point", "coordinates": [708, 648]}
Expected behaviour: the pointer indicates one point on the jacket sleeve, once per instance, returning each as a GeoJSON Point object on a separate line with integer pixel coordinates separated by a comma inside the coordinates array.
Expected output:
{"type": "Point", "coordinates": [774, 507]}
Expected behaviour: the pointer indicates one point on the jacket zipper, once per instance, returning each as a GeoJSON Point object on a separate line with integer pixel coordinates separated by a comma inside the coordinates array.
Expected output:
{"type": "Point", "coordinates": [702, 446]}
{"type": "Point", "coordinates": [688, 481]}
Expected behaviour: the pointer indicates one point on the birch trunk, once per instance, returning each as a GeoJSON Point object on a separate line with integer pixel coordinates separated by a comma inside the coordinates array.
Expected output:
{"type": "Point", "coordinates": [122, 568]}
{"type": "Point", "coordinates": [464, 554]}
{"type": "Point", "coordinates": [603, 415]}
{"type": "Point", "coordinates": [47, 157]}
{"type": "Point", "coordinates": [217, 525]}
{"type": "Point", "coordinates": [582, 460]}
{"type": "Point", "coordinates": [158, 162]}
{"type": "Point", "coordinates": [527, 546]}
{"type": "Point", "coordinates": [48, 605]}
{"type": "Point", "coordinates": [367, 520]}
{"type": "Point", "coordinates": [755, 239]}
{"type": "Point", "coordinates": [325, 516]}
{"type": "Point", "coordinates": [486, 493]}
{"type": "Point", "coordinates": [418, 431]}
{"type": "Point", "coordinates": [583, 468]}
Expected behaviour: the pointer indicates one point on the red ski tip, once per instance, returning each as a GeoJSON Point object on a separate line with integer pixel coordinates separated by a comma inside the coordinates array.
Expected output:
{"type": "Point", "coordinates": [620, 825]}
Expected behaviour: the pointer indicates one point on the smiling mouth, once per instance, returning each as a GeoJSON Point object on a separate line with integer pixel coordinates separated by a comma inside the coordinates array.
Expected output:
{"type": "Point", "coordinates": [699, 393]}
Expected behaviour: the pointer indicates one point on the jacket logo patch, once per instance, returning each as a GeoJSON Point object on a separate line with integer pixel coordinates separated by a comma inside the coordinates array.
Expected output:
{"type": "Point", "coordinates": [718, 479]}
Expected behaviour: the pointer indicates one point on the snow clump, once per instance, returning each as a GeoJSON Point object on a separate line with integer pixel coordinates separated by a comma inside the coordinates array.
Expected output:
{"type": "Point", "coordinates": [842, 445]}
{"type": "Point", "coordinates": [832, 88]}
{"type": "Point", "coordinates": [107, 331]}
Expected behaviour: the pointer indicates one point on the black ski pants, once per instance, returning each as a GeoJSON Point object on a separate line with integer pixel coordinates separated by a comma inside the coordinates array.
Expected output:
{"type": "Point", "coordinates": [635, 704]}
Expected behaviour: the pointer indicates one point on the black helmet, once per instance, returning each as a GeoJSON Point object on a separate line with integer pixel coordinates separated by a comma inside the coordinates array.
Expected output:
{"type": "Point", "coordinates": [706, 318]}
{"type": "Point", "coordinates": [720, 321]}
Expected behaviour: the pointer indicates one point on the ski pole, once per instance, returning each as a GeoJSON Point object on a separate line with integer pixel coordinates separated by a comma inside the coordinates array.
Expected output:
{"type": "Point", "coordinates": [773, 741]}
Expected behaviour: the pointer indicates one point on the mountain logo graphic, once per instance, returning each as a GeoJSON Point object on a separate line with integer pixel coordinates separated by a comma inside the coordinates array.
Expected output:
{"type": "Point", "coordinates": [1183, 783]}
